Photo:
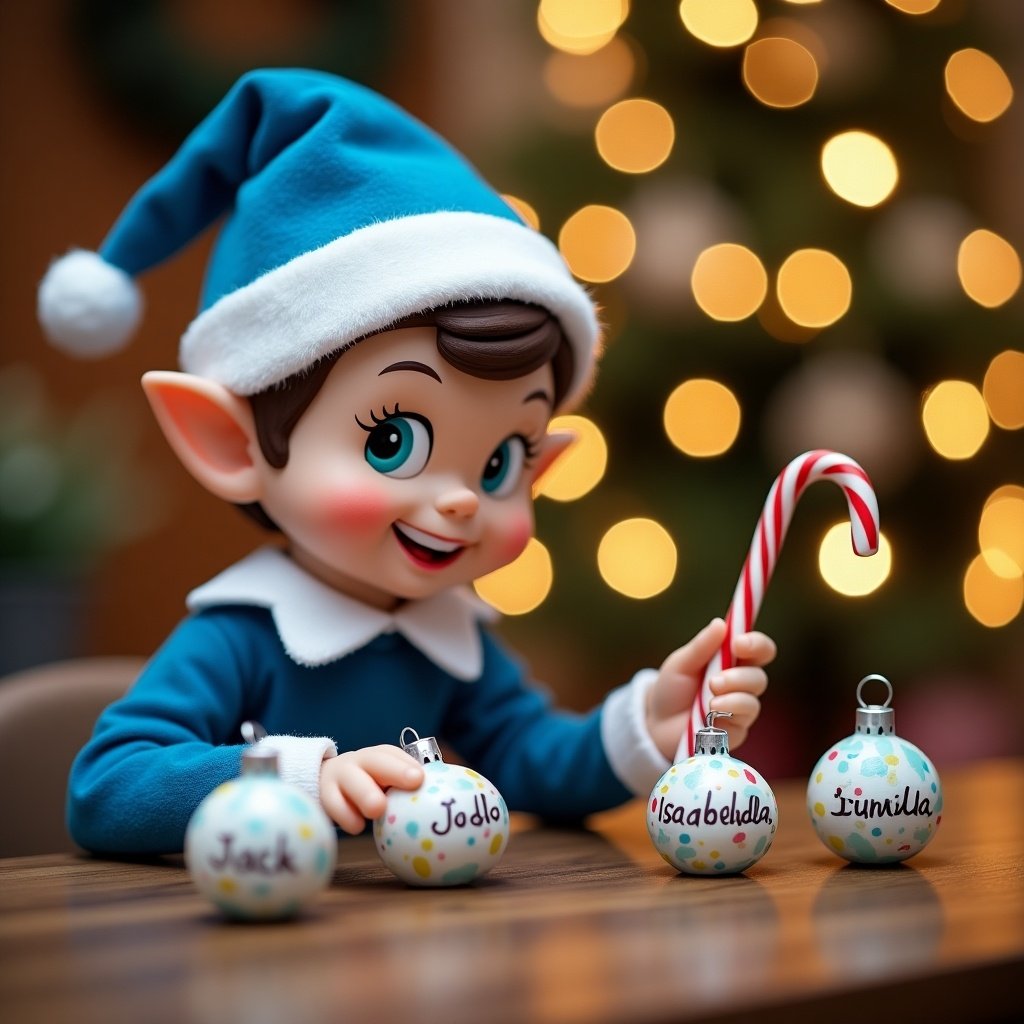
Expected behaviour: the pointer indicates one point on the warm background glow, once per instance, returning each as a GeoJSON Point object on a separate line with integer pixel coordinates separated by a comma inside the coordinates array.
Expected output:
{"type": "Point", "coordinates": [591, 80]}
{"type": "Point", "coordinates": [955, 419]}
{"type": "Point", "coordinates": [989, 268]}
{"type": "Point", "coordinates": [844, 570]}
{"type": "Point", "coordinates": [1003, 389]}
{"type": "Point", "coordinates": [524, 209]}
{"type": "Point", "coordinates": [580, 26]}
{"type": "Point", "coordinates": [635, 135]}
{"type": "Point", "coordinates": [992, 599]}
{"type": "Point", "coordinates": [729, 282]}
{"type": "Point", "coordinates": [579, 469]}
{"type": "Point", "coordinates": [978, 85]}
{"type": "Point", "coordinates": [859, 167]}
{"type": "Point", "coordinates": [702, 418]}
{"type": "Point", "coordinates": [719, 22]}
{"type": "Point", "coordinates": [637, 557]}
{"type": "Point", "coordinates": [598, 243]}
{"type": "Point", "coordinates": [780, 72]}
{"type": "Point", "coordinates": [520, 586]}
{"type": "Point", "coordinates": [1001, 535]}
{"type": "Point", "coordinates": [814, 288]}
{"type": "Point", "coordinates": [914, 6]}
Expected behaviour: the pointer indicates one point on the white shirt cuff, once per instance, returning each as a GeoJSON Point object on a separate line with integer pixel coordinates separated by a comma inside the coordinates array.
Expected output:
{"type": "Point", "coordinates": [632, 753]}
{"type": "Point", "coordinates": [299, 759]}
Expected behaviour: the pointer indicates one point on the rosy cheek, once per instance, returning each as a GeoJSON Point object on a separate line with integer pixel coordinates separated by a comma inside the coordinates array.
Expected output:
{"type": "Point", "coordinates": [361, 510]}
{"type": "Point", "coordinates": [516, 533]}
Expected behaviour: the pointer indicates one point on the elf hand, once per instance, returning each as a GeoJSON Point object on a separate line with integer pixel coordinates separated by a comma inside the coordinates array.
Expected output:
{"type": "Point", "coordinates": [736, 689]}
{"type": "Point", "coordinates": [352, 784]}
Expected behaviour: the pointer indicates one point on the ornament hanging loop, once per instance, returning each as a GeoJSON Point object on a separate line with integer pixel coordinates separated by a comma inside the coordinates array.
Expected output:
{"type": "Point", "coordinates": [424, 749]}
{"type": "Point", "coordinates": [712, 739]}
{"type": "Point", "coordinates": [253, 732]}
{"type": "Point", "coordinates": [868, 679]}
{"type": "Point", "coordinates": [257, 760]}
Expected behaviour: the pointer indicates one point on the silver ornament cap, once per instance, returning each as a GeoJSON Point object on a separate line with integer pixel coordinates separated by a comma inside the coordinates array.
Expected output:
{"type": "Point", "coordinates": [875, 719]}
{"type": "Point", "coordinates": [425, 750]}
{"type": "Point", "coordinates": [256, 760]}
{"type": "Point", "coordinates": [710, 739]}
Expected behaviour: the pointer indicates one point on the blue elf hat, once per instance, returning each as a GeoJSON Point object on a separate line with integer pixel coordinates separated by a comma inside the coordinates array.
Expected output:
{"type": "Point", "coordinates": [342, 213]}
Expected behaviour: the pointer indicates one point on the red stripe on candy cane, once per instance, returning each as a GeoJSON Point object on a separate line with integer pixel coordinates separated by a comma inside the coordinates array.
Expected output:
{"type": "Point", "coordinates": [766, 544]}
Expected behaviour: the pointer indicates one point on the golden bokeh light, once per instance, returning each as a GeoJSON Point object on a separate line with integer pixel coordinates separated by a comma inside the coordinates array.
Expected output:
{"type": "Point", "coordinates": [988, 267]}
{"type": "Point", "coordinates": [524, 209]}
{"type": "Point", "coordinates": [598, 243]}
{"type": "Point", "coordinates": [771, 317]}
{"type": "Point", "coordinates": [637, 557]}
{"type": "Point", "coordinates": [580, 468]}
{"type": "Point", "coordinates": [729, 282]}
{"type": "Point", "coordinates": [814, 287]}
{"type": "Point", "coordinates": [1001, 535]}
{"type": "Point", "coordinates": [520, 586]}
{"type": "Point", "coordinates": [1003, 390]}
{"type": "Point", "coordinates": [592, 80]}
{"type": "Point", "coordinates": [992, 599]}
{"type": "Point", "coordinates": [580, 26]}
{"type": "Point", "coordinates": [955, 419]}
{"type": "Point", "coordinates": [859, 167]}
{"type": "Point", "coordinates": [978, 85]}
{"type": "Point", "coordinates": [702, 418]}
{"type": "Point", "coordinates": [779, 72]}
{"type": "Point", "coordinates": [719, 23]}
{"type": "Point", "coordinates": [635, 135]}
{"type": "Point", "coordinates": [914, 6]}
{"type": "Point", "coordinates": [844, 570]}
{"type": "Point", "coordinates": [1005, 491]}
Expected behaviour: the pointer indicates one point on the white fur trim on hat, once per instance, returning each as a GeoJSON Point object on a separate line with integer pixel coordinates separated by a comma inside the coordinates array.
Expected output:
{"type": "Point", "coordinates": [88, 307]}
{"type": "Point", "coordinates": [285, 320]}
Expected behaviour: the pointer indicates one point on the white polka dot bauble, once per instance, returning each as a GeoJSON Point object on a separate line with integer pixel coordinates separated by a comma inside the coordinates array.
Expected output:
{"type": "Point", "coordinates": [874, 798]}
{"type": "Point", "coordinates": [259, 847]}
{"type": "Point", "coordinates": [450, 831]}
{"type": "Point", "coordinates": [712, 814]}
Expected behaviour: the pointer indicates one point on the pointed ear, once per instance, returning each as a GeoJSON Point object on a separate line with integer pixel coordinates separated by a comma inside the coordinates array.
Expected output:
{"type": "Point", "coordinates": [552, 448]}
{"type": "Point", "coordinates": [210, 429]}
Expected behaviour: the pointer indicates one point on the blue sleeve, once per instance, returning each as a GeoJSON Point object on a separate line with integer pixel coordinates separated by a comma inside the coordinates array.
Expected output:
{"type": "Point", "coordinates": [157, 752]}
{"type": "Point", "coordinates": [543, 760]}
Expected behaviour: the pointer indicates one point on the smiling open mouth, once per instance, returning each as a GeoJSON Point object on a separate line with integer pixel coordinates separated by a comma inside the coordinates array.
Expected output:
{"type": "Point", "coordinates": [425, 549]}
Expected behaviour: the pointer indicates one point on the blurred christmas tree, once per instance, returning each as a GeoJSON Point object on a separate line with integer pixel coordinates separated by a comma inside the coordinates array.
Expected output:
{"type": "Point", "coordinates": [793, 218]}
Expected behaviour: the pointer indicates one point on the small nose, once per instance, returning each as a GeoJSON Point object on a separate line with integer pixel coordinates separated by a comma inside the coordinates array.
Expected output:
{"type": "Point", "coordinates": [458, 503]}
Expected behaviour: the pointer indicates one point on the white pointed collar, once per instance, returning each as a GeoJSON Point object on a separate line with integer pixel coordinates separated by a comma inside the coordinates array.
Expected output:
{"type": "Point", "coordinates": [317, 624]}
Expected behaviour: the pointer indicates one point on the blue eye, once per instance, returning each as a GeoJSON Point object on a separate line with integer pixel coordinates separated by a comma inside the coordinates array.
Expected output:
{"type": "Point", "coordinates": [399, 446]}
{"type": "Point", "coordinates": [504, 467]}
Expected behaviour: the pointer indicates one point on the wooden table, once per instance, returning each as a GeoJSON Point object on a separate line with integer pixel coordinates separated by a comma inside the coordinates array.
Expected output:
{"type": "Point", "coordinates": [571, 926]}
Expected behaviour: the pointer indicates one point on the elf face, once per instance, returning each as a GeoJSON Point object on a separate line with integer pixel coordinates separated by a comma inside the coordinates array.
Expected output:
{"type": "Point", "coordinates": [406, 475]}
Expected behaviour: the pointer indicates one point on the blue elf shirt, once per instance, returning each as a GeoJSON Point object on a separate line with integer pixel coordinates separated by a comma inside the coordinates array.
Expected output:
{"type": "Point", "coordinates": [266, 641]}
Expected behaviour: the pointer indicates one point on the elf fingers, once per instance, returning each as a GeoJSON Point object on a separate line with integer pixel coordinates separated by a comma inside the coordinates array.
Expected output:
{"type": "Point", "coordinates": [743, 679]}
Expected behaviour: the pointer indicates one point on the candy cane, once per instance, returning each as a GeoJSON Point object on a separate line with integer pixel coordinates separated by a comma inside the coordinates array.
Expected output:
{"type": "Point", "coordinates": [766, 545]}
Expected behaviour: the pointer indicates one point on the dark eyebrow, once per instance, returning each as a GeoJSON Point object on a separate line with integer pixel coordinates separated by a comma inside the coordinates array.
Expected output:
{"type": "Point", "coordinates": [411, 364]}
{"type": "Point", "coordinates": [541, 394]}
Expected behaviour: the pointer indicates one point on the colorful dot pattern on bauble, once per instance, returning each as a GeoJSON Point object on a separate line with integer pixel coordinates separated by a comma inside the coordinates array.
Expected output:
{"type": "Point", "coordinates": [452, 830]}
{"type": "Point", "coordinates": [260, 848]}
{"type": "Point", "coordinates": [874, 798]}
{"type": "Point", "coordinates": [712, 816]}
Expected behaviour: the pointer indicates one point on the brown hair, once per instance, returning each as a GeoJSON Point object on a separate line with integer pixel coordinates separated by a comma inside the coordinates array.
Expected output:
{"type": "Point", "coordinates": [491, 340]}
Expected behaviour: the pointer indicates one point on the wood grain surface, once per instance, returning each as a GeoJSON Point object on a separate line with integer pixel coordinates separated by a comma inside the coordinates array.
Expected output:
{"type": "Point", "coordinates": [573, 925]}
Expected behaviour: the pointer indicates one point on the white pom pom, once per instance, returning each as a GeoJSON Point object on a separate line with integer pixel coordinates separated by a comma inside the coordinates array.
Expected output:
{"type": "Point", "coordinates": [88, 307]}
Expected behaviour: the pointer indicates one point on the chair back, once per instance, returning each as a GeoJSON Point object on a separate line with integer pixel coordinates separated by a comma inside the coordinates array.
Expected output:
{"type": "Point", "coordinates": [46, 715]}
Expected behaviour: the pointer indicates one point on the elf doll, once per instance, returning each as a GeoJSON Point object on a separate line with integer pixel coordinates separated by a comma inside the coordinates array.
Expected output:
{"type": "Point", "coordinates": [380, 346]}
